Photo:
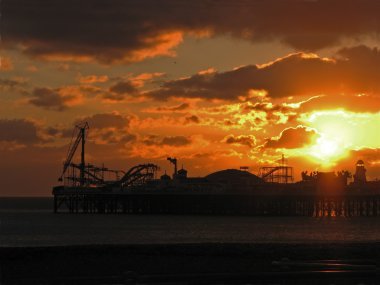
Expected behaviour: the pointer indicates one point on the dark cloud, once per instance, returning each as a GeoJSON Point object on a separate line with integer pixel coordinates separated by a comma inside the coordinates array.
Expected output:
{"type": "Point", "coordinates": [298, 74]}
{"type": "Point", "coordinates": [120, 91]}
{"type": "Point", "coordinates": [14, 84]}
{"type": "Point", "coordinates": [192, 120]}
{"type": "Point", "coordinates": [176, 141]}
{"type": "Point", "coordinates": [110, 137]}
{"type": "Point", "coordinates": [106, 120]}
{"type": "Point", "coordinates": [293, 138]}
{"type": "Point", "coordinates": [52, 99]}
{"type": "Point", "coordinates": [52, 131]}
{"type": "Point", "coordinates": [178, 108]}
{"type": "Point", "coordinates": [123, 87]}
{"type": "Point", "coordinates": [9, 83]}
{"type": "Point", "coordinates": [109, 31]}
{"type": "Point", "coordinates": [19, 131]}
{"type": "Point", "coordinates": [106, 128]}
{"type": "Point", "coordinates": [59, 132]}
{"type": "Point", "coordinates": [151, 140]}
{"type": "Point", "coordinates": [247, 140]}
{"type": "Point", "coordinates": [47, 98]}
{"type": "Point", "coordinates": [114, 96]}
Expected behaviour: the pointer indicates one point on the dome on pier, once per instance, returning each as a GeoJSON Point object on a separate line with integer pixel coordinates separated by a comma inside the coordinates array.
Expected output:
{"type": "Point", "coordinates": [234, 176]}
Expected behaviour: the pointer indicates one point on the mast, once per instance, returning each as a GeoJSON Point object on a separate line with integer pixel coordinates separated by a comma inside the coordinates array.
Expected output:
{"type": "Point", "coordinates": [82, 161]}
{"type": "Point", "coordinates": [81, 138]}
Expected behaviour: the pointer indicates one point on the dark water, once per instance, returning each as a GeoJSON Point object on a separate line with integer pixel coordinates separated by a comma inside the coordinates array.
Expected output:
{"type": "Point", "coordinates": [30, 222]}
{"type": "Point", "coordinates": [27, 204]}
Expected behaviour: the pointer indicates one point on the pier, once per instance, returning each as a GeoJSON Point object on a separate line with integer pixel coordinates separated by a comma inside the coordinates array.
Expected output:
{"type": "Point", "coordinates": [91, 189]}
{"type": "Point", "coordinates": [350, 204]}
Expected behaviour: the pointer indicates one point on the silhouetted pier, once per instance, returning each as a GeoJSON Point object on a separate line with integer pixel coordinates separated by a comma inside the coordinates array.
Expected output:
{"type": "Point", "coordinates": [89, 189]}
{"type": "Point", "coordinates": [257, 203]}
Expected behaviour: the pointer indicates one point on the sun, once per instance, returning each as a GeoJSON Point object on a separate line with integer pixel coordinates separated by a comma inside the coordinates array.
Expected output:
{"type": "Point", "coordinates": [337, 130]}
{"type": "Point", "coordinates": [327, 150]}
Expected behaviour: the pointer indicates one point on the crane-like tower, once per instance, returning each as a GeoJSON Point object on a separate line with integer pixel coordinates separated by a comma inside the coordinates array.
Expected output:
{"type": "Point", "coordinates": [80, 138]}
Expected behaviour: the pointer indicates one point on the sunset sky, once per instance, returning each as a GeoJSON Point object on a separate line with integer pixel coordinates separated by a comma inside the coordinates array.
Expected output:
{"type": "Point", "coordinates": [217, 84]}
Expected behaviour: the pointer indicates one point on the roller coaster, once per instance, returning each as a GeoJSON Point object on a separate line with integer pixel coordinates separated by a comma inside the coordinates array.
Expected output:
{"type": "Point", "coordinates": [277, 174]}
{"type": "Point", "coordinates": [88, 175]}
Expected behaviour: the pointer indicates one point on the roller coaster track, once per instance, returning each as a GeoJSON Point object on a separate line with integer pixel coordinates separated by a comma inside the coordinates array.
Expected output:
{"type": "Point", "coordinates": [271, 171]}
{"type": "Point", "coordinates": [137, 175]}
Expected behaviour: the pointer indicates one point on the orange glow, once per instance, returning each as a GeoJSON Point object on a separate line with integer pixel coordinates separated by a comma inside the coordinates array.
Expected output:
{"type": "Point", "coordinates": [5, 64]}
{"type": "Point", "coordinates": [327, 150]}
{"type": "Point", "coordinates": [341, 131]}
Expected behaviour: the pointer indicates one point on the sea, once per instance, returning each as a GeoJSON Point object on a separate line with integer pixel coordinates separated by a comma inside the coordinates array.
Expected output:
{"type": "Point", "coordinates": [30, 222]}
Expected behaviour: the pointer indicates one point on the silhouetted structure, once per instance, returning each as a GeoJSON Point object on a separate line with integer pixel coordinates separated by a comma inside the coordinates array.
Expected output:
{"type": "Point", "coordinates": [81, 137]}
{"type": "Point", "coordinates": [277, 174]}
{"type": "Point", "coordinates": [174, 162]}
{"type": "Point", "coordinates": [91, 189]}
{"type": "Point", "coordinates": [360, 176]}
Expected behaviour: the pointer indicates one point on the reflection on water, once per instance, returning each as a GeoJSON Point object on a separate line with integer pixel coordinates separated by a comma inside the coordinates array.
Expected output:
{"type": "Point", "coordinates": [360, 207]}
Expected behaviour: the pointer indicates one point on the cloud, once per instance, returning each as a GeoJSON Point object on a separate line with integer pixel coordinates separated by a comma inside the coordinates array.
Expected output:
{"type": "Point", "coordinates": [354, 70]}
{"type": "Point", "coordinates": [293, 138]}
{"type": "Point", "coordinates": [123, 87]}
{"type": "Point", "coordinates": [110, 137]}
{"type": "Point", "coordinates": [192, 120]}
{"type": "Point", "coordinates": [19, 131]}
{"type": "Point", "coordinates": [246, 140]}
{"type": "Point", "coordinates": [108, 128]}
{"type": "Point", "coordinates": [369, 155]}
{"type": "Point", "coordinates": [354, 103]}
{"type": "Point", "coordinates": [128, 86]}
{"type": "Point", "coordinates": [106, 120]}
{"type": "Point", "coordinates": [174, 141]}
{"type": "Point", "coordinates": [169, 109]}
{"type": "Point", "coordinates": [141, 79]}
{"type": "Point", "coordinates": [274, 113]}
{"type": "Point", "coordinates": [89, 79]}
{"type": "Point", "coordinates": [114, 32]}
{"type": "Point", "coordinates": [55, 99]}
{"type": "Point", "coordinates": [104, 128]}
{"type": "Point", "coordinates": [128, 31]}
{"type": "Point", "coordinates": [17, 84]}
{"type": "Point", "coordinates": [120, 90]}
